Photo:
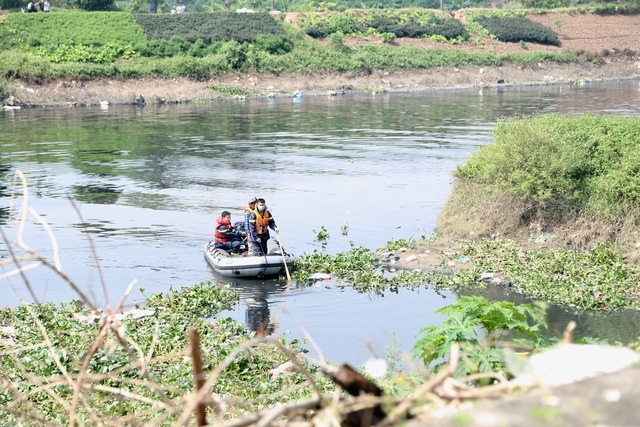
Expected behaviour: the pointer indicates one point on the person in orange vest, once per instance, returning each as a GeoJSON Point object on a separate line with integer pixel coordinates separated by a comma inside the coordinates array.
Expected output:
{"type": "Point", "coordinates": [260, 222]}
{"type": "Point", "coordinates": [225, 236]}
{"type": "Point", "coordinates": [251, 205]}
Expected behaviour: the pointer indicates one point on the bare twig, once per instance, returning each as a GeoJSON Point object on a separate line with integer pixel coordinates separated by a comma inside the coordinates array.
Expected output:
{"type": "Point", "coordinates": [198, 375]}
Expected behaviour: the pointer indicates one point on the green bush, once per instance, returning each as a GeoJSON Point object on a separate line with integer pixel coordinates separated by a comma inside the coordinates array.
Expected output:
{"type": "Point", "coordinates": [209, 27]}
{"type": "Point", "coordinates": [402, 23]}
{"type": "Point", "coordinates": [480, 328]}
{"type": "Point", "coordinates": [28, 66]}
{"type": "Point", "coordinates": [518, 28]}
{"type": "Point", "coordinates": [590, 162]}
{"type": "Point", "coordinates": [545, 4]}
{"type": "Point", "coordinates": [95, 5]}
{"type": "Point", "coordinates": [274, 44]}
{"type": "Point", "coordinates": [80, 53]}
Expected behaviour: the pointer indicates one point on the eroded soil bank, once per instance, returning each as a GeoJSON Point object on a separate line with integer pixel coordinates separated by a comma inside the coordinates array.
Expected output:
{"type": "Point", "coordinates": [93, 92]}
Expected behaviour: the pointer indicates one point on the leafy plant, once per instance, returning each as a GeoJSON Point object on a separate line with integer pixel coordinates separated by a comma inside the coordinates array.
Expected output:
{"type": "Point", "coordinates": [75, 28]}
{"type": "Point", "coordinates": [228, 90]}
{"type": "Point", "coordinates": [140, 361]}
{"type": "Point", "coordinates": [481, 328]}
{"type": "Point", "coordinates": [322, 235]}
{"type": "Point", "coordinates": [392, 22]}
{"type": "Point", "coordinates": [394, 245]}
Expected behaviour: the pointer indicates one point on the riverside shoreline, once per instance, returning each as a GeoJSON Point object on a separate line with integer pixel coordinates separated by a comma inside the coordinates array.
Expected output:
{"type": "Point", "coordinates": [69, 92]}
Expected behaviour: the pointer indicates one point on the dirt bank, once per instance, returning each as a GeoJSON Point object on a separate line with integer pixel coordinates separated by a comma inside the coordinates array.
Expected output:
{"type": "Point", "coordinates": [71, 92]}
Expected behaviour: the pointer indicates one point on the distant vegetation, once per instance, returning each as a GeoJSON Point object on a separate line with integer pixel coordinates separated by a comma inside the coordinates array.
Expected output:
{"type": "Point", "coordinates": [123, 45]}
{"type": "Point", "coordinates": [414, 23]}
{"type": "Point", "coordinates": [165, 6]}
{"type": "Point", "coordinates": [209, 27]}
{"type": "Point", "coordinates": [517, 29]}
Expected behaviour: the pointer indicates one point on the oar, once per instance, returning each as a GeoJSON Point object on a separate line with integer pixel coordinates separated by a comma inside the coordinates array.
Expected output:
{"type": "Point", "coordinates": [284, 260]}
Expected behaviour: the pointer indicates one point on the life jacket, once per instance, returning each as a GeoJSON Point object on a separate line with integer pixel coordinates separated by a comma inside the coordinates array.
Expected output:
{"type": "Point", "coordinates": [262, 220]}
{"type": "Point", "coordinates": [221, 238]}
{"type": "Point", "coordinates": [248, 209]}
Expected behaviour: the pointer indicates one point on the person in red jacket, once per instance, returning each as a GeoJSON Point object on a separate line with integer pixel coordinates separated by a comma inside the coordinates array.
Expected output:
{"type": "Point", "coordinates": [225, 236]}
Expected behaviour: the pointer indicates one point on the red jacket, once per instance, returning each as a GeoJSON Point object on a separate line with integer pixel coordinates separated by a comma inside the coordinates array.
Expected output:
{"type": "Point", "coordinates": [224, 230]}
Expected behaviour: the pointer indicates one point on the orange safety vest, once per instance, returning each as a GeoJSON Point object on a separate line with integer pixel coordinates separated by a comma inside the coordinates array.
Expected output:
{"type": "Point", "coordinates": [262, 221]}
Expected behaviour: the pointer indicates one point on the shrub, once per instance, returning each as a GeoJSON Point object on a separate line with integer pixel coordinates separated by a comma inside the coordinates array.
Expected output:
{"type": "Point", "coordinates": [80, 53]}
{"type": "Point", "coordinates": [228, 26]}
{"type": "Point", "coordinates": [15, 64]}
{"type": "Point", "coordinates": [274, 44]}
{"type": "Point", "coordinates": [234, 55]}
{"type": "Point", "coordinates": [95, 5]}
{"type": "Point", "coordinates": [400, 23]}
{"type": "Point", "coordinates": [545, 4]}
{"type": "Point", "coordinates": [590, 162]}
{"type": "Point", "coordinates": [518, 28]}
{"type": "Point", "coordinates": [479, 327]}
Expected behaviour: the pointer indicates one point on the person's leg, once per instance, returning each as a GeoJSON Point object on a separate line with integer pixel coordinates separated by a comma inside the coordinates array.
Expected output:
{"type": "Point", "coordinates": [235, 246]}
{"type": "Point", "coordinates": [263, 246]}
{"type": "Point", "coordinates": [255, 247]}
{"type": "Point", "coordinates": [226, 246]}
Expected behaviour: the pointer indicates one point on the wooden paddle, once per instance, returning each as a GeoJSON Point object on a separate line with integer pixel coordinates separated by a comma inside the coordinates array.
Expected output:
{"type": "Point", "coordinates": [284, 260]}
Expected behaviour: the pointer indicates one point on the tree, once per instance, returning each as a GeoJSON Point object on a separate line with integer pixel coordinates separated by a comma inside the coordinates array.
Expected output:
{"type": "Point", "coordinates": [9, 4]}
{"type": "Point", "coordinates": [228, 3]}
{"type": "Point", "coordinates": [96, 5]}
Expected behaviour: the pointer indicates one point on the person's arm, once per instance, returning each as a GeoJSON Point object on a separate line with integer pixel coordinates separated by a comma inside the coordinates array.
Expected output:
{"type": "Point", "coordinates": [272, 223]}
{"type": "Point", "coordinates": [227, 232]}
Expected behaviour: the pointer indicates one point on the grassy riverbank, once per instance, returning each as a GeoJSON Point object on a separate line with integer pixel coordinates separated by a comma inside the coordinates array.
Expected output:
{"type": "Point", "coordinates": [548, 209]}
{"type": "Point", "coordinates": [101, 65]}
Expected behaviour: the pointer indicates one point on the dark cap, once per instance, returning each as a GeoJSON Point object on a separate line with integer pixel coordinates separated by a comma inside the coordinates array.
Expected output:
{"type": "Point", "coordinates": [253, 200]}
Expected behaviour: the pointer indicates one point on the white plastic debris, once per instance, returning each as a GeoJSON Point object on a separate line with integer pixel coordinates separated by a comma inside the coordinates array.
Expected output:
{"type": "Point", "coordinates": [568, 363]}
{"type": "Point", "coordinates": [285, 367]}
{"type": "Point", "coordinates": [376, 367]}
{"type": "Point", "coordinates": [318, 277]}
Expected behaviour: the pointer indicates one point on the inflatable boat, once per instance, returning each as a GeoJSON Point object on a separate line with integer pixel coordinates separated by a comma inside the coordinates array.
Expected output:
{"type": "Point", "coordinates": [249, 266]}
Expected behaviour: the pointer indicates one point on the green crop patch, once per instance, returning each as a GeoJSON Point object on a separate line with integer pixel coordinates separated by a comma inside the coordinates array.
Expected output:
{"type": "Point", "coordinates": [401, 23]}
{"type": "Point", "coordinates": [518, 28]}
{"type": "Point", "coordinates": [74, 28]}
{"type": "Point", "coordinates": [209, 27]}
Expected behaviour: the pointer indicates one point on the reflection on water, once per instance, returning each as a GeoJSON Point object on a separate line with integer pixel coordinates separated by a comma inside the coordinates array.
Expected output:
{"type": "Point", "coordinates": [149, 182]}
{"type": "Point", "coordinates": [106, 194]}
{"type": "Point", "coordinates": [256, 296]}
{"type": "Point", "coordinates": [340, 324]}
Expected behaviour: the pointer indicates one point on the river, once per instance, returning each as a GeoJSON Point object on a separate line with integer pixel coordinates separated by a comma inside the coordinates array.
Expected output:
{"type": "Point", "coordinates": [132, 192]}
